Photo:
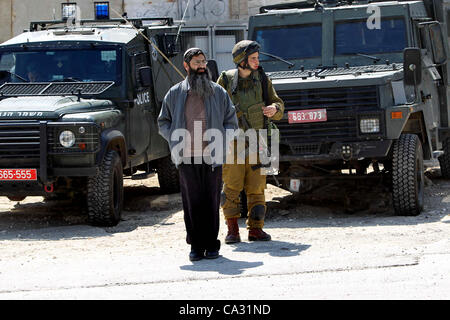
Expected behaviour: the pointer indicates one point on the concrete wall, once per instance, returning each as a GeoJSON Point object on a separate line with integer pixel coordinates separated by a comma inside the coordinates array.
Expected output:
{"type": "Point", "coordinates": [25, 11]}
{"type": "Point", "coordinates": [15, 15]}
{"type": "Point", "coordinates": [5, 20]}
{"type": "Point", "coordinates": [198, 10]}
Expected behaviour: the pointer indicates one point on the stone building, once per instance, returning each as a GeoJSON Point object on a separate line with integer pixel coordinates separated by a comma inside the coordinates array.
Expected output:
{"type": "Point", "coordinates": [15, 15]}
{"type": "Point", "coordinates": [217, 24]}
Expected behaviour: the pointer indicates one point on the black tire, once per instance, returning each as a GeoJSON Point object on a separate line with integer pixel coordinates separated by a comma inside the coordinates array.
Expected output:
{"type": "Point", "coordinates": [105, 192]}
{"type": "Point", "coordinates": [168, 176]}
{"type": "Point", "coordinates": [408, 175]}
{"type": "Point", "coordinates": [444, 160]}
{"type": "Point", "coordinates": [243, 204]}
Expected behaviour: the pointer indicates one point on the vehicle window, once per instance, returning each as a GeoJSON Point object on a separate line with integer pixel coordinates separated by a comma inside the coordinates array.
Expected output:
{"type": "Point", "coordinates": [62, 65]}
{"type": "Point", "coordinates": [291, 42]}
{"type": "Point", "coordinates": [355, 37]}
{"type": "Point", "coordinates": [7, 61]}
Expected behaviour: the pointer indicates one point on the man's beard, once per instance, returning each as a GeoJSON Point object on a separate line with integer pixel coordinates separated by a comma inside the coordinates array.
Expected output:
{"type": "Point", "coordinates": [200, 83]}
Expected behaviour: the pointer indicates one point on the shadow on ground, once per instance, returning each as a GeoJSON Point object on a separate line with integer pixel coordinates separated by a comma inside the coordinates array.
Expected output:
{"type": "Point", "coordinates": [274, 248]}
{"type": "Point", "coordinates": [222, 265]}
{"type": "Point", "coordinates": [143, 206]}
{"type": "Point", "coordinates": [226, 266]}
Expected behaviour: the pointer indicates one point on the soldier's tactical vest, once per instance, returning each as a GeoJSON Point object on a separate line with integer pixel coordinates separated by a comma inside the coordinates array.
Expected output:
{"type": "Point", "coordinates": [248, 93]}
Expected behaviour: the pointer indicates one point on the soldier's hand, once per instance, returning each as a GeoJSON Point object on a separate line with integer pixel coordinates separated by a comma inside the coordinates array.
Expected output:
{"type": "Point", "coordinates": [269, 111]}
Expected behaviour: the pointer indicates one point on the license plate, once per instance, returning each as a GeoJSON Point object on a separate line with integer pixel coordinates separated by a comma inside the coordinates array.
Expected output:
{"type": "Point", "coordinates": [304, 116]}
{"type": "Point", "coordinates": [18, 174]}
{"type": "Point", "coordinates": [294, 185]}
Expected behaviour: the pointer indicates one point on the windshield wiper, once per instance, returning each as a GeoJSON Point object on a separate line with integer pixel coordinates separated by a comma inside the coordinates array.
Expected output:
{"type": "Point", "coordinates": [68, 79]}
{"type": "Point", "coordinates": [15, 75]}
{"type": "Point", "coordinates": [278, 58]}
{"type": "Point", "coordinates": [375, 59]}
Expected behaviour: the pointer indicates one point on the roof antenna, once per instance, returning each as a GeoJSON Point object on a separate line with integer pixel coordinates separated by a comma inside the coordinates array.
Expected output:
{"type": "Point", "coordinates": [182, 21]}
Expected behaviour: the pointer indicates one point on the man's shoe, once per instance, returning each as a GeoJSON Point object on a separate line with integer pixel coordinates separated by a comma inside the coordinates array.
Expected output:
{"type": "Point", "coordinates": [196, 255]}
{"type": "Point", "coordinates": [212, 254]}
{"type": "Point", "coordinates": [258, 234]}
{"type": "Point", "coordinates": [233, 231]}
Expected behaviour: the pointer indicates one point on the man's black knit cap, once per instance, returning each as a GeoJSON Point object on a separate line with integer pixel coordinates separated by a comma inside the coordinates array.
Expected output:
{"type": "Point", "coordinates": [192, 52]}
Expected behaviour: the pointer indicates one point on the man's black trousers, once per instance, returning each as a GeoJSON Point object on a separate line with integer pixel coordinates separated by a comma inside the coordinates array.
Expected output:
{"type": "Point", "coordinates": [201, 185]}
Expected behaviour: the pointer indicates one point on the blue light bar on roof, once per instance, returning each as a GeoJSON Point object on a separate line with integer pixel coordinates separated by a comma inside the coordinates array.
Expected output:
{"type": "Point", "coordinates": [101, 10]}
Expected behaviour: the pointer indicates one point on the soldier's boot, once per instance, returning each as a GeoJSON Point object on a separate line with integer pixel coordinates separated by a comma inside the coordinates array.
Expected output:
{"type": "Point", "coordinates": [255, 232]}
{"type": "Point", "coordinates": [233, 231]}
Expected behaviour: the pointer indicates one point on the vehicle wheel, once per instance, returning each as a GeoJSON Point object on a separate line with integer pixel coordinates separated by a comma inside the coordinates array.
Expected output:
{"type": "Point", "coordinates": [408, 175]}
{"type": "Point", "coordinates": [444, 160]}
{"type": "Point", "coordinates": [243, 204]}
{"type": "Point", "coordinates": [168, 177]}
{"type": "Point", "coordinates": [105, 192]}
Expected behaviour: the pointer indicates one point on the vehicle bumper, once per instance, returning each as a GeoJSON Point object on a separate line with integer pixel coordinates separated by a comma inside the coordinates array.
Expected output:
{"type": "Point", "coordinates": [346, 151]}
{"type": "Point", "coordinates": [40, 186]}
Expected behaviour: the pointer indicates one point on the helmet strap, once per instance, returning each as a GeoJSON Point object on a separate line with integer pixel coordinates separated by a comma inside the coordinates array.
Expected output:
{"type": "Point", "coordinates": [246, 66]}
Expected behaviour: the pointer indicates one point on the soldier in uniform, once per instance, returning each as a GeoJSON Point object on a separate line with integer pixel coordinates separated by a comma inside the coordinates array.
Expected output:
{"type": "Point", "coordinates": [251, 90]}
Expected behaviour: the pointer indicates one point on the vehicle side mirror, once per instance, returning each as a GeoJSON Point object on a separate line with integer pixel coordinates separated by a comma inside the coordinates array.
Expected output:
{"type": "Point", "coordinates": [145, 76]}
{"type": "Point", "coordinates": [213, 70]}
{"type": "Point", "coordinates": [412, 66]}
{"type": "Point", "coordinates": [437, 40]}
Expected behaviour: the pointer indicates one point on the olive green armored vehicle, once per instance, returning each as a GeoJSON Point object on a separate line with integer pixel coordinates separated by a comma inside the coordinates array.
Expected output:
{"type": "Point", "coordinates": [366, 91]}
{"type": "Point", "coordinates": [78, 109]}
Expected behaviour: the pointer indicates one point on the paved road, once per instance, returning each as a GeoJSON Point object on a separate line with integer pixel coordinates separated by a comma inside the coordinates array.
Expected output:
{"type": "Point", "coordinates": [318, 252]}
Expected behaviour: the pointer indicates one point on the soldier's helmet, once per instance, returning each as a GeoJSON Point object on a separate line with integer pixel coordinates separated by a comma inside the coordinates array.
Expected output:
{"type": "Point", "coordinates": [243, 49]}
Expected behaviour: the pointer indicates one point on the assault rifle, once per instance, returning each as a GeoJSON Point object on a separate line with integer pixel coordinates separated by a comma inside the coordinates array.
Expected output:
{"type": "Point", "coordinates": [246, 126]}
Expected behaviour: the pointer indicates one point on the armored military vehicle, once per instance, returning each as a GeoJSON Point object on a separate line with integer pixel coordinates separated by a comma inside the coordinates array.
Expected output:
{"type": "Point", "coordinates": [78, 109]}
{"type": "Point", "coordinates": [366, 89]}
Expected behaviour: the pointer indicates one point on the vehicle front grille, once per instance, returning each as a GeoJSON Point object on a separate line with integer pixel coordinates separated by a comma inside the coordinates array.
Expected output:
{"type": "Point", "coordinates": [54, 88]}
{"type": "Point", "coordinates": [13, 89]}
{"type": "Point", "coordinates": [342, 105]}
{"type": "Point", "coordinates": [71, 88]}
{"type": "Point", "coordinates": [19, 144]}
{"type": "Point", "coordinates": [306, 148]}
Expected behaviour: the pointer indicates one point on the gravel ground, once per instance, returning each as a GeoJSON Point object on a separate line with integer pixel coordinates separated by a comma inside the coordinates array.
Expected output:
{"type": "Point", "coordinates": [343, 241]}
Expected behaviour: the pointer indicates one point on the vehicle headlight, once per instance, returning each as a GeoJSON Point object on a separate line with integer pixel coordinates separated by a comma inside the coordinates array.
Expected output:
{"type": "Point", "coordinates": [369, 125]}
{"type": "Point", "coordinates": [67, 138]}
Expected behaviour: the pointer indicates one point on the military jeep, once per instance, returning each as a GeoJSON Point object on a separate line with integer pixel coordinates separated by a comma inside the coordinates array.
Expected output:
{"type": "Point", "coordinates": [78, 109]}
{"type": "Point", "coordinates": [365, 86]}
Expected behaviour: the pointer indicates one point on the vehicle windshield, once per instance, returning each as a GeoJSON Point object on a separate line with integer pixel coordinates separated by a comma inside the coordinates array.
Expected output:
{"type": "Point", "coordinates": [84, 65]}
{"type": "Point", "coordinates": [355, 37]}
{"type": "Point", "coordinates": [299, 46]}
